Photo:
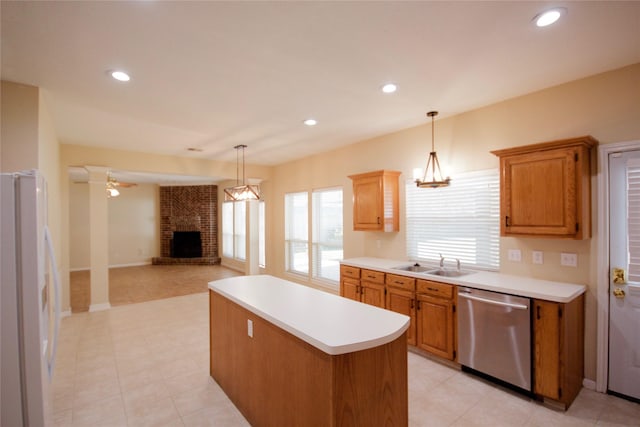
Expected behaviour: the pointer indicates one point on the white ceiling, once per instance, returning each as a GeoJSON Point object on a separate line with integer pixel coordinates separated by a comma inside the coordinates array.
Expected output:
{"type": "Point", "coordinates": [212, 75]}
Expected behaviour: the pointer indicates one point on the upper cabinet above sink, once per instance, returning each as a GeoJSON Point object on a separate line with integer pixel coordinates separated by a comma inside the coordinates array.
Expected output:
{"type": "Point", "coordinates": [545, 189]}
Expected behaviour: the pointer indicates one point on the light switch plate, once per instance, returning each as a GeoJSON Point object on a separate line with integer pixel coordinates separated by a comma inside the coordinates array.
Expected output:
{"type": "Point", "coordinates": [568, 260]}
{"type": "Point", "coordinates": [514, 255]}
{"type": "Point", "coordinates": [537, 257]}
{"type": "Point", "coordinates": [250, 328]}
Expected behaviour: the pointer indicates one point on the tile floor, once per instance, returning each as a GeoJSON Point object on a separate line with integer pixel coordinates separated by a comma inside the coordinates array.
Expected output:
{"type": "Point", "coordinates": [146, 364]}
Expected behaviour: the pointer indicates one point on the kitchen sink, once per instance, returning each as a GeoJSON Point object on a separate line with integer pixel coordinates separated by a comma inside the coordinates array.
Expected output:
{"type": "Point", "coordinates": [449, 273]}
{"type": "Point", "coordinates": [416, 268]}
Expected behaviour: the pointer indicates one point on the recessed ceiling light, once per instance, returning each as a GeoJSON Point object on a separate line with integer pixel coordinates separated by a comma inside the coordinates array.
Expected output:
{"type": "Point", "coordinates": [548, 17]}
{"type": "Point", "coordinates": [310, 122]}
{"type": "Point", "coordinates": [120, 76]}
{"type": "Point", "coordinates": [389, 88]}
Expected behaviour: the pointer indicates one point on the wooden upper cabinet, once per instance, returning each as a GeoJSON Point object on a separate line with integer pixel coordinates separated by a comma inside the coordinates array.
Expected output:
{"type": "Point", "coordinates": [376, 201]}
{"type": "Point", "coordinates": [545, 189]}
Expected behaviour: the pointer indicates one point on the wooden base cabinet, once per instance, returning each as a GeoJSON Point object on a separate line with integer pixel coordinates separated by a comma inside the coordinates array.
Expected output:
{"type": "Point", "coordinates": [401, 298]}
{"type": "Point", "coordinates": [558, 350]}
{"type": "Point", "coordinates": [350, 282]}
{"type": "Point", "coordinates": [372, 288]}
{"type": "Point", "coordinates": [435, 318]}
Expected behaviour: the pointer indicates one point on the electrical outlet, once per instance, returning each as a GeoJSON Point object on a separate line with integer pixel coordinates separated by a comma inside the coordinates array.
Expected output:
{"type": "Point", "coordinates": [537, 257]}
{"type": "Point", "coordinates": [568, 260]}
{"type": "Point", "coordinates": [250, 328]}
{"type": "Point", "coordinates": [515, 255]}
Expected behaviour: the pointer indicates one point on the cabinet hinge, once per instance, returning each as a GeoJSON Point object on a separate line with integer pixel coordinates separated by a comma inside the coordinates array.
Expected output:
{"type": "Point", "coordinates": [454, 308]}
{"type": "Point", "coordinates": [385, 291]}
{"type": "Point", "coordinates": [559, 311]}
{"type": "Point", "coordinates": [575, 157]}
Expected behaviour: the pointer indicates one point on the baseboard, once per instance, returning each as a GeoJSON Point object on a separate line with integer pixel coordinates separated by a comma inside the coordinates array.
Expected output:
{"type": "Point", "coordinates": [589, 384]}
{"type": "Point", "coordinates": [99, 307]}
{"type": "Point", "coordinates": [133, 264]}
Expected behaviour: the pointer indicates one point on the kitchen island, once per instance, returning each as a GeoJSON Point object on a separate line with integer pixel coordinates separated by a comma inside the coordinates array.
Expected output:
{"type": "Point", "coordinates": [289, 355]}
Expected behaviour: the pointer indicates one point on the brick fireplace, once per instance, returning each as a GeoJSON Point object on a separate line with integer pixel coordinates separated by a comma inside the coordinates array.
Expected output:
{"type": "Point", "coordinates": [188, 225]}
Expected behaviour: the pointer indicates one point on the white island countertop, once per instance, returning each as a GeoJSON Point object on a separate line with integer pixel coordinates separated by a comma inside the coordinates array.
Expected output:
{"type": "Point", "coordinates": [497, 282]}
{"type": "Point", "coordinates": [328, 322]}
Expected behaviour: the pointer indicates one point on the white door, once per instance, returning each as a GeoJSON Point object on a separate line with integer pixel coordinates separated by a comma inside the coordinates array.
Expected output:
{"type": "Point", "coordinates": [624, 278]}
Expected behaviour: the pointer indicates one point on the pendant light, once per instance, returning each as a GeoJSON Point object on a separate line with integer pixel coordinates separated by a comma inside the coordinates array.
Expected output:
{"type": "Point", "coordinates": [432, 175]}
{"type": "Point", "coordinates": [244, 191]}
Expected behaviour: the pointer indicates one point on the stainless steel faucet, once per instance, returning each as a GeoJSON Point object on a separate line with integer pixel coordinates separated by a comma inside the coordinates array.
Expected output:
{"type": "Point", "coordinates": [458, 263]}
{"type": "Point", "coordinates": [441, 261]}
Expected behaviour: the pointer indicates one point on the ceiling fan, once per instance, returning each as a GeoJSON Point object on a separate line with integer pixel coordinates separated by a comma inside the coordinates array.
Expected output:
{"type": "Point", "coordinates": [113, 184]}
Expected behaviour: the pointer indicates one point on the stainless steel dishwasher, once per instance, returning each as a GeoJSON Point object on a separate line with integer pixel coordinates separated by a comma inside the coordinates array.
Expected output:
{"type": "Point", "coordinates": [494, 335]}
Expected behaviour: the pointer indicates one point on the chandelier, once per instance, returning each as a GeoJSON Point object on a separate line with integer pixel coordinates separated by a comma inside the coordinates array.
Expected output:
{"type": "Point", "coordinates": [241, 191]}
{"type": "Point", "coordinates": [432, 175]}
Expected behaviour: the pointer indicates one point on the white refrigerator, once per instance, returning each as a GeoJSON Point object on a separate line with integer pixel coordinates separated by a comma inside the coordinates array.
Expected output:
{"type": "Point", "coordinates": [29, 302]}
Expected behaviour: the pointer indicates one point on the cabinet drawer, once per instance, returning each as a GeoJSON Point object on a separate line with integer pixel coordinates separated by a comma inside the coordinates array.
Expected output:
{"type": "Point", "coordinates": [373, 276]}
{"type": "Point", "coordinates": [403, 282]}
{"type": "Point", "coordinates": [436, 289]}
{"type": "Point", "coordinates": [348, 271]}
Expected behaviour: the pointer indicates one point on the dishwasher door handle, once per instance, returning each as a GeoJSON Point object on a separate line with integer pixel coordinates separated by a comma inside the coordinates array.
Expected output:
{"type": "Point", "coordinates": [494, 302]}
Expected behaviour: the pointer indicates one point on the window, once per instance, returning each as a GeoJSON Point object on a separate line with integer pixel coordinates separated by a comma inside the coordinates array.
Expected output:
{"type": "Point", "coordinates": [296, 232]}
{"type": "Point", "coordinates": [327, 234]}
{"type": "Point", "coordinates": [234, 231]}
{"type": "Point", "coordinates": [460, 221]}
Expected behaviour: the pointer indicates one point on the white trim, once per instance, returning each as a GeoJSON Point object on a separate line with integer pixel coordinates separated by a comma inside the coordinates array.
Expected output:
{"type": "Point", "coordinates": [65, 313]}
{"type": "Point", "coordinates": [99, 307]}
{"type": "Point", "coordinates": [133, 264]}
{"type": "Point", "coordinates": [602, 278]}
{"type": "Point", "coordinates": [588, 384]}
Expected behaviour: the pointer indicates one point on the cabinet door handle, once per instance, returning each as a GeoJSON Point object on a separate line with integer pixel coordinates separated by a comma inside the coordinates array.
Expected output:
{"type": "Point", "coordinates": [398, 282]}
{"type": "Point", "coordinates": [433, 289]}
{"type": "Point", "coordinates": [417, 305]}
{"type": "Point", "coordinates": [378, 220]}
{"type": "Point", "coordinates": [538, 312]}
{"type": "Point", "coordinates": [506, 221]}
{"type": "Point", "coordinates": [412, 305]}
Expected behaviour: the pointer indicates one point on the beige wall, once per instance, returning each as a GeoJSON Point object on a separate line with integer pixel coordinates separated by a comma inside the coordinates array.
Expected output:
{"type": "Point", "coordinates": [28, 141]}
{"type": "Point", "coordinates": [606, 106]}
{"type": "Point", "coordinates": [19, 131]}
{"type": "Point", "coordinates": [133, 219]}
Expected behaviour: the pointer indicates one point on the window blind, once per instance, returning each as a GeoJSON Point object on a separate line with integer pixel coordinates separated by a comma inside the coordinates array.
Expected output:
{"type": "Point", "coordinates": [633, 221]}
{"type": "Point", "coordinates": [459, 221]}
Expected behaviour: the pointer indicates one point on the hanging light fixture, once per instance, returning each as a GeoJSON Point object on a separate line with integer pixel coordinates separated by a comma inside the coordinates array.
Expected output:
{"type": "Point", "coordinates": [244, 191]}
{"type": "Point", "coordinates": [432, 175]}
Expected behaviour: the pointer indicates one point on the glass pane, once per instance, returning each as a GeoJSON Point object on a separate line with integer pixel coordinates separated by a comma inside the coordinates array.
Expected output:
{"type": "Point", "coordinates": [227, 229]}
{"type": "Point", "coordinates": [240, 230]}
{"type": "Point", "coordinates": [327, 234]}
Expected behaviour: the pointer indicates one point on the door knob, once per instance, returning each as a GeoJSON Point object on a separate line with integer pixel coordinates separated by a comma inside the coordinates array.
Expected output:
{"type": "Point", "coordinates": [618, 293]}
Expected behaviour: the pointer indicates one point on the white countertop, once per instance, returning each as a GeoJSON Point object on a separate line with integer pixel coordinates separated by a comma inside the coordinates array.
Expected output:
{"type": "Point", "coordinates": [497, 282]}
{"type": "Point", "coordinates": [328, 322]}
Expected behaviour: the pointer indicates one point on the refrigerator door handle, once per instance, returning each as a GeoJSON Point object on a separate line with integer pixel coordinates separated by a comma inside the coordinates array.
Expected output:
{"type": "Point", "coordinates": [56, 308]}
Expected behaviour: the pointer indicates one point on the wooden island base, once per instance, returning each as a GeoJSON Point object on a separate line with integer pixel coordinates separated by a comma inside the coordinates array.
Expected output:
{"type": "Point", "coordinates": [277, 379]}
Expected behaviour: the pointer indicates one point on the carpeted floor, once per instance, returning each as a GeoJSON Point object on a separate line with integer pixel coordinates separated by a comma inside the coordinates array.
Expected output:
{"type": "Point", "coordinates": [129, 285]}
